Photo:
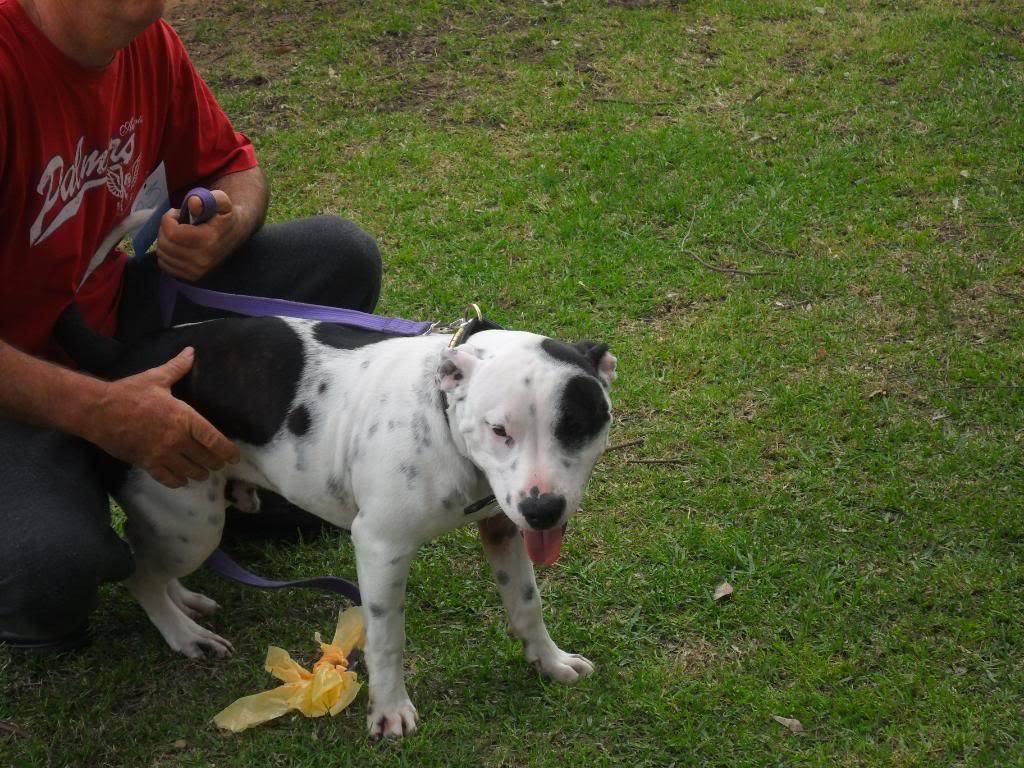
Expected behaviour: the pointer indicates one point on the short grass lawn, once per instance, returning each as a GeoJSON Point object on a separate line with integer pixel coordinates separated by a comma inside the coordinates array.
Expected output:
{"type": "Point", "coordinates": [798, 224]}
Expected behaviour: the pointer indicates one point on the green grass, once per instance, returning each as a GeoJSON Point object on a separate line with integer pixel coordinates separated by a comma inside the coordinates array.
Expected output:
{"type": "Point", "coordinates": [847, 428]}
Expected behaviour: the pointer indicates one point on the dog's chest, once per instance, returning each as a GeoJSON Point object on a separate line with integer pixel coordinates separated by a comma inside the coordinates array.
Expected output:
{"type": "Point", "coordinates": [365, 423]}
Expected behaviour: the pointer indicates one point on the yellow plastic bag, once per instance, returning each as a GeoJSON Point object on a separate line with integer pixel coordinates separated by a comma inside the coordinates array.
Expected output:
{"type": "Point", "coordinates": [330, 687]}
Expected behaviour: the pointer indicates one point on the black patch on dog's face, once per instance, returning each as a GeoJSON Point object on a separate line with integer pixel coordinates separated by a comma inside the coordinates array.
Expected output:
{"type": "Point", "coordinates": [582, 413]}
{"type": "Point", "coordinates": [566, 354]}
{"type": "Point", "coordinates": [299, 421]}
{"type": "Point", "coordinates": [230, 354]}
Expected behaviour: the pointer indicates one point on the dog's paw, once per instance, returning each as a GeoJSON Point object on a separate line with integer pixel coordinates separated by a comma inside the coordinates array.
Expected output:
{"type": "Point", "coordinates": [244, 497]}
{"type": "Point", "coordinates": [392, 722]}
{"type": "Point", "coordinates": [197, 642]}
{"type": "Point", "coordinates": [562, 667]}
{"type": "Point", "coordinates": [192, 604]}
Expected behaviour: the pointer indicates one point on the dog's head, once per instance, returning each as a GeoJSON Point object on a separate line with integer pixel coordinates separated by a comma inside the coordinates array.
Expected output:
{"type": "Point", "coordinates": [533, 414]}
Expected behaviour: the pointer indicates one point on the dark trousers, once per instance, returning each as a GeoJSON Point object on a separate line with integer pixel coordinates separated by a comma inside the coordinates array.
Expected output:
{"type": "Point", "coordinates": [58, 546]}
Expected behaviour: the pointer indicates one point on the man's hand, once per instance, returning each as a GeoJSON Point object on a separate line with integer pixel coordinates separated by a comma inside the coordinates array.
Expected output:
{"type": "Point", "coordinates": [188, 251]}
{"type": "Point", "coordinates": [141, 422]}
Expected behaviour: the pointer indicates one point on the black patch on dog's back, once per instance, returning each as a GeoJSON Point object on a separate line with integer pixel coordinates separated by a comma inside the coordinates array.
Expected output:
{"type": "Point", "coordinates": [345, 337]}
{"type": "Point", "coordinates": [582, 412]}
{"type": "Point", "coordinates": [244, 377]}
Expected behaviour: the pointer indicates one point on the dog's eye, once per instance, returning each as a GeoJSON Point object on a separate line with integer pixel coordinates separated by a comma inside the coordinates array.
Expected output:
{"type": "Point", "coordinates": [499, 431]}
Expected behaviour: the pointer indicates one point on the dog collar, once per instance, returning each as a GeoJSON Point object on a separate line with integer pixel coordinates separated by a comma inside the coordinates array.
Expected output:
{"type": "Point", "coordinates": [460, 335]}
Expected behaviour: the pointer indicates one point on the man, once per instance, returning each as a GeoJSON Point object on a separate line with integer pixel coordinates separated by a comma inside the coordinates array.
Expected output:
{"type": "Point", "coordinates": [98, 98]}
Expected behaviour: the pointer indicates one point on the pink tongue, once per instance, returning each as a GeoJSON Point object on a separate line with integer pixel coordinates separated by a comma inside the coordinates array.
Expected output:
{"type": "Point", "coordinates": [544, 547]}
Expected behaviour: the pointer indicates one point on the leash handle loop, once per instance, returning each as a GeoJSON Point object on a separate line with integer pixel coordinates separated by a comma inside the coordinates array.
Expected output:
{"type": "Point", "coordinates": [207, 210]}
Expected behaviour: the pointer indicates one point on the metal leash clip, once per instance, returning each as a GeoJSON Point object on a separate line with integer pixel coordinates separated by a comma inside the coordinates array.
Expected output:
{"type": "Point", "coordinates": [466, 320]}
{"type": "Point", "coordinates": [457, 327]}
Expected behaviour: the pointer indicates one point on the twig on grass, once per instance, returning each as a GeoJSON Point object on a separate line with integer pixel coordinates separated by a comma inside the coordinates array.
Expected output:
{"type": "Point", "coordinates": [658, 461]}
{"type": "Point", "coordinates": [14, 730]}
{"type": "Point", "coordinates": [728, 270]}
{"type": "Point", "coordinates": [620, 446]}
{"type": "Point", "coordinates": [604, 100]}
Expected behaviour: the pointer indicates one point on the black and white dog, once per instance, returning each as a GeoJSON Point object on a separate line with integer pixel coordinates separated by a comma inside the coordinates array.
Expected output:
{"type": "Point", "coordinates": [390, 437]}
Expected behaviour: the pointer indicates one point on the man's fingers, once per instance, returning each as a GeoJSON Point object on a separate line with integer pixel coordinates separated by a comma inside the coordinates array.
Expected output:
{"type": "Point", "coordinates": [204, 433]}
{"type": "Point", "coordinates": [195, 203]}
{"type": "Point", "coordinates": [171, 371]}
{"type": "Point", "coordinates": [224, 204]}
{"type": "Point", "coordinates": [182, 466]}
{"type": "Point", "coordinates": [202, 456]}
{"type": "Point", "coordinates": [178, 268]}
{"type": "Point", "coordinates": [166, 477]}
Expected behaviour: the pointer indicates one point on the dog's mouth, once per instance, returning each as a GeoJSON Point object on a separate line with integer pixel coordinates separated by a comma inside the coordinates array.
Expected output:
{"type": "Point", "coordinates": [544, 547]}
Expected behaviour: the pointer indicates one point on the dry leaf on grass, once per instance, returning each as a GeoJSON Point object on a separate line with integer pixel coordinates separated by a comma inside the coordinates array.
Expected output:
{"type": "Point", "coordinates": [790, 722]}
{"type": "Point", "coordinates": [723, 591]}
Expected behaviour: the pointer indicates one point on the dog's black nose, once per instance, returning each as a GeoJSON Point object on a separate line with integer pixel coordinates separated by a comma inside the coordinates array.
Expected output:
{"type": "Point", "coordinates": [543, 510]}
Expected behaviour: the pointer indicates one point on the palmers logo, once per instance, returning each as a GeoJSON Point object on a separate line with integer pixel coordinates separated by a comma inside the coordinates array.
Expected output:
{"type": "Point", "coordinates": [63, 185]}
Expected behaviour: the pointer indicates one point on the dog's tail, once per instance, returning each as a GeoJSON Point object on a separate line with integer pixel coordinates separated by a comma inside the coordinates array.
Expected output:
{"type": "Point", "coordinates": [91, 351]}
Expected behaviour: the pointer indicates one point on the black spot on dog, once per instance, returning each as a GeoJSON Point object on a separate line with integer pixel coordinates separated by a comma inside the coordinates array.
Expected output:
{"type": "Point", "coordinates": [582, 412]}
{"type": "Point", "coordinates": [566, 463]}
{"type": "Point", "coordinates": [535, 492]}
{"type": "Point", "coordinates": [395, 560]}
{"type": "Point", "coordinates": [383, 399]}
{"type": "Point", "coordinates": [365, 364]}
{"type": "Point", "coordinates": [215, 518]}
{"type": "Point", "coordinates": [586, 354]}
{"type": "Point", "coordinates": [183, 539]}
{"type": "Point", "coordinates": [372, 430]}
{"type": "Point", "coordinates": [420, 432]}
{"type": "Point", "coordinates": [501, 577]}
{"type": "Point", "coordinates": [299, 421]}
{"type": "Point", "coordinates": [211, 495]}
{"type": "Point", "coordinates": [527, 381]}
{"type": "Point", "coordinates": [391, 425]}
{"type": "Point", "coordinates": [229, 352]}
{"type": "Point", "coordinates": [508, 499]}
{"type": "Point", "coordinates": [514, 465]}
{"type": "Point", "coordinates": [533, 409]}
{"type": "Point", "coordinates": [377, 611]}
{"type": "Point", "coordinates": [411, 472]}
{"type": "Point", "coordinates": [528, 592]}
{"type": "Point", "coordinates": [397, 584]}
{"type": "Point", "coordinates": [347, 337]}
{"type": "Point", "coordinates": [322, 388]}
{"type": "Point", "coordinates": [497, 530]}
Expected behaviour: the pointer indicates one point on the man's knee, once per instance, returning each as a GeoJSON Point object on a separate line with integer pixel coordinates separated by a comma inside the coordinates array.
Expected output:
{"type": "Point", "coordinates": [351, 254]}
{"type": "Point", "coordinates": [49, 588]}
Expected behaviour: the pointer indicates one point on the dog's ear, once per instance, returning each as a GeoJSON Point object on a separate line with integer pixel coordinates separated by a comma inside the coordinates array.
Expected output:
{"type": "Point", "coordinates": [602, 360]}
{"type": "Point", "coordinates": [456, 367]}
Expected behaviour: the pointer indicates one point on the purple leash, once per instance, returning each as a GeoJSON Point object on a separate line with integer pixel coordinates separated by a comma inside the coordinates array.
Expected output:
{"type": "Point", "coordinates": [220, 562]}
{"type": "Point", "coordinates": [259, 306]}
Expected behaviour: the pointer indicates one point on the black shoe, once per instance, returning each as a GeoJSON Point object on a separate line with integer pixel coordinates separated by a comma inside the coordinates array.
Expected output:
{"type": "Point", "coordinates": [71, 641]}
{"type": "Point", "coordinates": [277, 519]}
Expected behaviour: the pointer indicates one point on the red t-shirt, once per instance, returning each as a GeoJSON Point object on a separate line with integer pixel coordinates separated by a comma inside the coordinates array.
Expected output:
{"type": "Point", "coordinates": [76, 144]}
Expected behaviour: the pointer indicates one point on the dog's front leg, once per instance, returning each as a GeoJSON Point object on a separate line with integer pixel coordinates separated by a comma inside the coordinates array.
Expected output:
{"type": "Point", "coordinates": [513, 572]}
{"type": "Point", "coordinates": [383, 567]}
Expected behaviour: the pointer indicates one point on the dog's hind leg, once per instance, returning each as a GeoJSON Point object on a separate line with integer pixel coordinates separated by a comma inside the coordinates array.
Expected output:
{"type": "Point", "coordinates": [517, 584]}
{"type": "Point", "coordinates": [172, 532]}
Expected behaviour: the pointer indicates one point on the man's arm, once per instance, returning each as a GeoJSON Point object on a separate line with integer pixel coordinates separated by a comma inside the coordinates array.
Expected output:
{"type": "Point", "coordinates": [190, 252]}
{"type": "Point", "coordinates": [135, 419]}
